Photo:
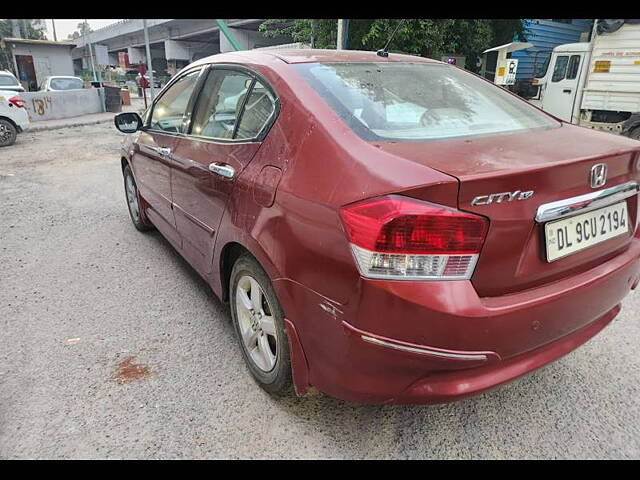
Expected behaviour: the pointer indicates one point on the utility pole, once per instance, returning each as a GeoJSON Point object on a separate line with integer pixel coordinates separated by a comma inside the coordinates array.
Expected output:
{"type": "Point", "coordinates": [149, 66]}
{"type": "Point", "coordinates": [343, 34]}
{"type": "Point", "coordinates": [93, 67]}
{"type": "Point", "coordinates": [53, 24]}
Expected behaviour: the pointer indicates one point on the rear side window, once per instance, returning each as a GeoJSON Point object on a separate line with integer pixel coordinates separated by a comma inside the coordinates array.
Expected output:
{"type": "Point", "coordinates": [398, 101]}
{"type": "Point", "coordinates": [259, 107]}
{"type": "Point", "coordinates": [169, 110]}
{"type": "Point", "coordinates": [560, 68]}
{"type": "Point", "coordinates": [8, 81]}
{"type": "Point", "coordinates": [232, 106]}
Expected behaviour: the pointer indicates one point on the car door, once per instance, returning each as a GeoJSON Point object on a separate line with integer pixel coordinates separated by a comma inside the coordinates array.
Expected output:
{"type": "Point", "coordinates": [230, 118]}
{"type": "Point", "coordinates": [151, 158]}
{"type": "Point", "coordinates": [561, 90]}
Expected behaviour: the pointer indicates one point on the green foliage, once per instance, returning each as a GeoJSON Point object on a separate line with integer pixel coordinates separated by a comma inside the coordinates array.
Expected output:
{"type": "Point", "coordinates": [29, 28]}
{"type": "Point", "coordinates": [82, 28]}
{"type": "Point", "coordinates": [320, 33]}
{"type": "Point", "coordinates": [422, 36]}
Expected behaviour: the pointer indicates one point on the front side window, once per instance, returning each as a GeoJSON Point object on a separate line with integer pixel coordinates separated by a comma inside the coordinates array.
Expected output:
{"type": "Point", "coordinates": [168, 111]}
{"type": "Point", "coordinates": [232, 106]}
{"type": "Point", "coordinates": [560, 68]}
{"type": "Point", "coordinates": [416, 101]}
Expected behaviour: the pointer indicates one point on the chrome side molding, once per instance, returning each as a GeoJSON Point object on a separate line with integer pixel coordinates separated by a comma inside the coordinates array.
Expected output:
{"type": "Point", "coordinates": [585, 203]}
{"type": "Point", "coordinates": [425, 351]}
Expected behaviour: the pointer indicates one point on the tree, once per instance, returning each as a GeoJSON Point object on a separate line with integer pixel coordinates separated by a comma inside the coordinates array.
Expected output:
{"type": "Point", "coordinates": [29, 28]}
{"type": "Point", "coordinates": [421, 36]}
{"type": "Point", "coordinates": [83, 28]}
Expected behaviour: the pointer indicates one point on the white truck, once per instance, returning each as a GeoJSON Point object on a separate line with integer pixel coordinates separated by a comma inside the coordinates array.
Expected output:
{"type": "Point", "coordinates": [596, 84]}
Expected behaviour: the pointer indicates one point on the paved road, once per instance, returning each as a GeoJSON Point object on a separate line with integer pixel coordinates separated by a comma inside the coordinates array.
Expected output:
{"type": "Point", "coordinates": [112, 346]}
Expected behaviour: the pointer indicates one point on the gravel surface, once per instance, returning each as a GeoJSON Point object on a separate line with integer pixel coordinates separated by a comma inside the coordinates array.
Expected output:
{"type": "Point", "coordinates": [113, 347]}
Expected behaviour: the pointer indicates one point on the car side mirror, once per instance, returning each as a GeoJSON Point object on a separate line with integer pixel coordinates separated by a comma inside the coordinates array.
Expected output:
{"type": "Point", "coordinates": [128, 122]}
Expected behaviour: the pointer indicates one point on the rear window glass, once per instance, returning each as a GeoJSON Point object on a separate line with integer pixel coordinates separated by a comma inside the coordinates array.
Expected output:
{"type": "Point", "coordinates": [8, 81]}
{"type": "Point", "coordinates": [66, 83]}
{"type": "Point", "coordinates": [415, 101]}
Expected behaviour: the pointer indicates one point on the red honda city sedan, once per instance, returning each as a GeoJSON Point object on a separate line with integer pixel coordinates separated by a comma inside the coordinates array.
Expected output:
{"type": "Point", "coordinates": [386, 229]}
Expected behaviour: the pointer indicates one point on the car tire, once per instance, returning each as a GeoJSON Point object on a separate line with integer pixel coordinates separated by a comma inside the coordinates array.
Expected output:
{"type": "Point", "coordinates": [8, 133]}
{"type": "Point", "coordinates": [260, 330]}
{"type": "Point", "coordinates": [135, 203]}
{"type": "Point", "coordinates": [635, 133]}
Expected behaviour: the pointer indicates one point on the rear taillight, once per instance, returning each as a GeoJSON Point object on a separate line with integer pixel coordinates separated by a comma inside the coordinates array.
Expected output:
{"type": "Point", "coordinates": [17, 102]}
{"type": "Point", "coordinates": [402, 238]}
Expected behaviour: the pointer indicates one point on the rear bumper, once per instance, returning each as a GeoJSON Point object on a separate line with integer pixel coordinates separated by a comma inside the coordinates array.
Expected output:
{"type": "Point", "coordinates": [460, 381]}
{"type": "Point", "coordinates": [433, 342]}
{"type": "Point", "coordinates": [21, 118]}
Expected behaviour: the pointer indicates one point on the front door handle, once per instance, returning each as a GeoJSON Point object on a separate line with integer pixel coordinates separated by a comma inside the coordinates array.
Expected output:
{"type": "Point", "coordinates": [566, 90]}
{"type": "Point", "coordinates": [222, 169]}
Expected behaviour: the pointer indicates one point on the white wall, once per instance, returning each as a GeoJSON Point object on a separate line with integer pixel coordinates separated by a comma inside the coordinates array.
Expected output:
{"type": "Point", "coordinates": [55, 105]}
{"type": "Point", "coordinates": [47, 59]}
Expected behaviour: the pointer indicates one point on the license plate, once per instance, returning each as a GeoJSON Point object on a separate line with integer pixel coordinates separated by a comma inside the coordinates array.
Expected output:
{"type": "Point", "coordinates": [574, 234]}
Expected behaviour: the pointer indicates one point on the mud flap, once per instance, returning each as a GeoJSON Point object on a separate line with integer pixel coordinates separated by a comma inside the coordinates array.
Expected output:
{"type": "Point", "coordinates": [299, 366]}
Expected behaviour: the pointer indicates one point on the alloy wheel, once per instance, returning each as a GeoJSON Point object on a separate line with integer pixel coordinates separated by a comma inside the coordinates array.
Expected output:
{"type": "Point", "coordinates": [256, 323]}
{"type": "Point", "coordinates": [132, 197]}
{"type": "Point", "coordinates": [5, 133]}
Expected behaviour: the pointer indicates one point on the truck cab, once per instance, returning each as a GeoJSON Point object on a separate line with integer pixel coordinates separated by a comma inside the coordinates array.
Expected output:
{"type": "Point", "coordinates": [560, 89]}
{"type": "Point", "coordinates": [595, 84]}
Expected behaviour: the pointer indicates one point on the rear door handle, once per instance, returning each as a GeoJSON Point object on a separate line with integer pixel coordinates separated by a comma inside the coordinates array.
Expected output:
{"type": "Point", "coordinates": [163, 151]}
{"type": "Point", "coordinates": [566, 90]}
{"type": "Point", "coordinates": [222, 169]}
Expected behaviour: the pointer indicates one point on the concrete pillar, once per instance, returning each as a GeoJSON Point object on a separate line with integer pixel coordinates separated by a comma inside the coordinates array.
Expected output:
{"type": "Point", "coordinates": [242, 36]}
{"type": "Point", "coordinates": [249, 39]}
{"type": "Point", "coordinates": [136, 55]}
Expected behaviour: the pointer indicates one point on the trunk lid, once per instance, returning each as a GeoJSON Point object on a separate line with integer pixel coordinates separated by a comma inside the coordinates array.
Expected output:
{"type": "Point", "coordinates": [554, 164]}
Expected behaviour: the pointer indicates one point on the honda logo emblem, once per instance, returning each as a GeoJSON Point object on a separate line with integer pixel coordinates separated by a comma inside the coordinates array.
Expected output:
{"type": "Point", "coordinates": [598, 175]}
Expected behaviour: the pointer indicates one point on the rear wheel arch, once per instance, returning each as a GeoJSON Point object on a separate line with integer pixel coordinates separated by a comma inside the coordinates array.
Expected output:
{"type": "Point", "coordinates": [228, 257]}
{"type": "Point", "coordinates": [234, 249]}
{"type": "Point", "coordinates": [15, 125]}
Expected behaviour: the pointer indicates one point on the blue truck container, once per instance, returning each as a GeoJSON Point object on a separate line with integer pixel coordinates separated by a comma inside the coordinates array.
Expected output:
{"type": "Point", "coordinates": [545, 35]}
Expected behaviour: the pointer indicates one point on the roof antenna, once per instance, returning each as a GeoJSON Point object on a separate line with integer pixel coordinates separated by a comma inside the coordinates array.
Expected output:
{"type": "Point", "coordinates": [383, 51]}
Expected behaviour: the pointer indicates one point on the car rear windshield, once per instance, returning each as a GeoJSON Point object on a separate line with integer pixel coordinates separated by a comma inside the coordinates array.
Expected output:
{"type": "Point", "coordinates": [8, 80]}
{"type": "Point", "coordinates": [66, 83]}
{"type": "Point", "coordinates": [416, 101]}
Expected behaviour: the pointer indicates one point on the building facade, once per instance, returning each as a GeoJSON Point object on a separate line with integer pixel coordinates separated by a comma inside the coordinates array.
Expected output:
{"type": "Point", "coordinates": [33, 60]}
{"type": "Point", "coordinates": [173, 43]}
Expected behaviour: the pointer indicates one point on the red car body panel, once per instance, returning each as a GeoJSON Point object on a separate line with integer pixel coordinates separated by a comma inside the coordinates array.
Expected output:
{"type": "Point", "coordinates": [518, 311]}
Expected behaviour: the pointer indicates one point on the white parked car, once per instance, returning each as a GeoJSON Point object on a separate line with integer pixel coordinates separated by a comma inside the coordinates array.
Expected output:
{"type": "Point", "coordinates": [59, 83]}
{"type": "Point", "coordinates": [8, 81]}
{"type": "Point", "coordinates": [14, 118]}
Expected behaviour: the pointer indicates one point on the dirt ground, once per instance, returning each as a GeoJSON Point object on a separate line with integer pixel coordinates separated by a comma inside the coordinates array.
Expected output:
{"type": "Point", "coordinates": [113, 347]}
